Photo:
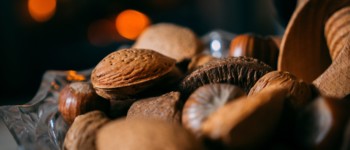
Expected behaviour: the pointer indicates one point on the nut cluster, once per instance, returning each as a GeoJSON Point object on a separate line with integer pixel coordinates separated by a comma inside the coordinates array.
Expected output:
{"type": "Point", "coordinates": [156, 104]}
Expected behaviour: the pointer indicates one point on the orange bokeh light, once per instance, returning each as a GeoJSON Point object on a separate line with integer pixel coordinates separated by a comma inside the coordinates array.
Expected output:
{"type": "Point", "coordinates": [41, 10]}
{"type": "Point", "coordinates": [130, 23]}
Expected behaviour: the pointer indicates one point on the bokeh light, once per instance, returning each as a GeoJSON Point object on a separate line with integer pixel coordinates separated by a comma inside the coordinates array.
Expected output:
{"type": "Point", "coordinates": [41, 10]}
{"type": "Point", "coordinates": [130, 23]}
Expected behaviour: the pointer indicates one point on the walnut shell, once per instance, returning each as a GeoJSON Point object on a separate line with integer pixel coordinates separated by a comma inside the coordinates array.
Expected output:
{"type": "Point", "coordinates": [128, 71]}
{"type": "Point", "coordinates": [146, 135]}
{"type": "Point", "coordinates": [170, 40]}
{"type": "Point", "coordinates": [82, 133]}
{"type": "Point", "coordinates": [205, 101]}
{"type": "Point", "coordinates": [164, 107]}
{"type": "Point", "coordinates": [300, 92]}
{"type": "Point", "coordinates": [240, 71]}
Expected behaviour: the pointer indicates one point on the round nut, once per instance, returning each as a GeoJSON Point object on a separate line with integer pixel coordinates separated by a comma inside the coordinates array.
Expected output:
{"type": "Point", "coordinates": [170, 40]}
{"type": "Point", "coordinates": [264, 49]}
{"type": "Point", "coordinates": [164, 107]}
{"type": "Point", "coordinates": [127, 72]}
{"type": "Point", "coordinates": [82, 133]}
{"type": "Point", "coordinates": [78, 98]}
{"type": "Point", "coordinates": [145, 135]}
{"type": "Point", "coordinates": [240, 71]}
{"type": "Point", "coordinates": [199, 60]}
{"type": "Point", "coordinates": [205, 101]}
{"type": "Point", "coordinates": [300, 92]}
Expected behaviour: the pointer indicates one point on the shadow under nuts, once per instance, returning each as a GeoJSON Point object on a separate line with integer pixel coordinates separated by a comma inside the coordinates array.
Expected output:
{"type": "Point", "coordinates": [82, 133]}
{"type": "Point", "coordinates": [127, 72]}
{"type": "Point", "coordinates": [205, 101]}
{"type": "Point", "coordinates": [240, 71]}
{"type": "Point", "coordinates": [145, 135]}
{"type": "Point", "coordinates": [164, 107]}
{"type": "Point", "coordinates": [300, 92]}
{"type": "Point", "coordinates": [170, 40]}
{"type": "Point", "coordinates": [247, 121]}
{"type": "Point", "coordinates": [78, 98]}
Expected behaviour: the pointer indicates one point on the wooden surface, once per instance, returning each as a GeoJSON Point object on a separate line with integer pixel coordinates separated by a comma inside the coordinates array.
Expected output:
{"type": "Point", "coordinates": [303, 50]}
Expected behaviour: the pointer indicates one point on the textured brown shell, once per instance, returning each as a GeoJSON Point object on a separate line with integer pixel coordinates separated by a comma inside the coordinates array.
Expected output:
{"type": "Point", "coordinates": [205, 101]}
{"type": "Point", "coordinates": [300, 92]}
{"type": "Point", "coordinates": [170, 40]}
{"type": "Point", "coordinates": [82, 133]}
{"type": "Point", "coordinates": [164, 107]}
{"type": "Point", "coordinates": [240, 71]}
{"type": "Point", "coordinates": [129, 67]}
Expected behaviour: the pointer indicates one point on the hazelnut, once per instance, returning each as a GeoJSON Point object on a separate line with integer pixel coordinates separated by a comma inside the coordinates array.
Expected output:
{"type": "Point", "coordinates": [82, 133]}
{"type": "Point", "coordinates": [300, 91]}
{"type": "Point", "coordinates": [125, 73]}
{"type": "Point", "coordinates": [78, 98]}
{"type": "Point", "coordinates": [262, 48]}
{"type": "Point", "coordinates": [170, 40]}
{"type": "Point", "coordinates": [247, 122]}
{"type": "Point", "coordinates": [164, 107]}
{"type": "Point", "coordinates": [206, 100]}
{"type": "Point", "coordinates": [146, 135]}
{"type": "Point", "coordinates": [240, 71]}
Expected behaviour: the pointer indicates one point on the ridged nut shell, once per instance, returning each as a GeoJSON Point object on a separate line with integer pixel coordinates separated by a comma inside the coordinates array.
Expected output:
{"type": "Point", "coordinates": [170, 40]}
{"type": "Point", "coordinates": [128, 71]}
{"type": "Point", "coordinates": [240, 71]}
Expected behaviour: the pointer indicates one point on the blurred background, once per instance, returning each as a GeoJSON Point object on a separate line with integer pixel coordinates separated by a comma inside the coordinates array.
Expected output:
{"type": "Point", "coordinates": [41, 35]}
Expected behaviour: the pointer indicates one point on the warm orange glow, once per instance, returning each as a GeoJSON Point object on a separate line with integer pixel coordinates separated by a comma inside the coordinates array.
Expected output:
{"type": "Point", "coordinates": [74, 76]}
{"type": "Point", "coordinates": [41, 10]}
{"type": "Point", "coordinates": [130, 23]}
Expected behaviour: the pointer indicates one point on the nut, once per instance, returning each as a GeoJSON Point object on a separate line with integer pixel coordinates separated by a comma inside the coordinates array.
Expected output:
{"type": "Point", "coordinates": [145, 135]}
{"type": "Point", "coordinates": [240, 71]}
{"type": "Point", "coordinates": [205, 101]}
{"type": "Point", "coordinates": [165, 107]}
{"type": "Point", "coordinates": [264, 49]}
{"type": "Point", "coordinates": [78, 98]}
{"type": "Point", "coordinates": [300, 92]}
{"type": "Point", "coordinates": [322, 124]}
{"type": "Point", "coordinates": [170, 40]}
{"type": "Point", "coordinates": [246, 122]}
{"type": "Point", "coordinates": [127, 72]}
{"type": "Point", "coordinates": [82, 133]}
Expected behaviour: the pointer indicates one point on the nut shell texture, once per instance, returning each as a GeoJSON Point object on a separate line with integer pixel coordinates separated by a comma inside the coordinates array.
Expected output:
{"type": "Point", "coordinates": [240, 71]}
{"type": "Point", "coordinates": [128, 67]}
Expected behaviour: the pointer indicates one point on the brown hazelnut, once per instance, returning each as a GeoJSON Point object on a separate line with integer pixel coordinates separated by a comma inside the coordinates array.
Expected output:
{"type": "Point", "coordinates": [321, 125]}
{"type": "Point", "coordinates": [247, 122]}
{"type": "Point", "coordinates": [300, 91]}
{"type": "Point", "coordinates": [164, 107]}
{"type": "Point", "coordinates": [205, 101]}
{"type": "Point", "coordinates": [262, 48]}
{"type": "Point", "coordinates": [127, 72]}
{"type": "Point", "coordinates": [78, 98]}
{"type": "Point", "coordinates": [82, 133]}
{"type": "Point", "coordinates": [171, 40]}
{"type": "Point", "coordinates": [240, 71]}
{"type": "Point", "coordinates": [146, 135]}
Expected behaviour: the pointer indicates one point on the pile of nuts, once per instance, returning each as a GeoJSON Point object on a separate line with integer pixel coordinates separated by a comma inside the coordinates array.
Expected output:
{"type": "Point", "coordinates": [165, 93]}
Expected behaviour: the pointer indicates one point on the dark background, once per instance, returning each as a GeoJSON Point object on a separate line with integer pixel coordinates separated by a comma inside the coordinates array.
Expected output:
{"type": "Point", "coordinates": [29, 48]}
